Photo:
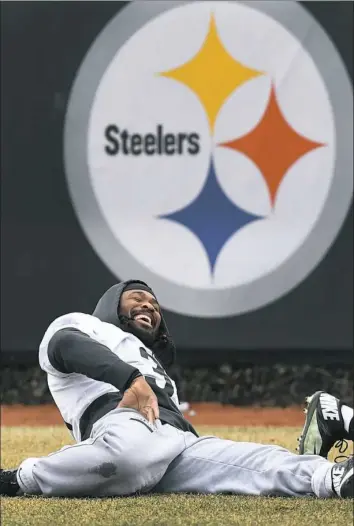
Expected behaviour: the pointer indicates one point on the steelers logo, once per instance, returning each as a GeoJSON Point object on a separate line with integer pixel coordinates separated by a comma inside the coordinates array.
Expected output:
{"type": "Point", "coordinates": [207, 147]}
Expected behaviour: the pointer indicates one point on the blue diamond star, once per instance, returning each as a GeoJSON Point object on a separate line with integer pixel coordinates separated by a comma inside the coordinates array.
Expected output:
{"type": "Point", "coordinates": [212, 217]}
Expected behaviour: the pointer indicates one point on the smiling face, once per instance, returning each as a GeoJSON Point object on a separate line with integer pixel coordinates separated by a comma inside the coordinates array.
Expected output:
{"type": "Point", "coordinates": [142, 309]}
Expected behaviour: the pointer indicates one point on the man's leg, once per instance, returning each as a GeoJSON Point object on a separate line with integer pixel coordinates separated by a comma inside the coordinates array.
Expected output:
{"type": "Point", "coordinates": [124, 454]}
{"type": "Point", "coordinates": [213, 465]}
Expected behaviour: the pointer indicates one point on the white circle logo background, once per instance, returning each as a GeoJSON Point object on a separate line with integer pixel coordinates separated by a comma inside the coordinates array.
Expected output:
{"type": "Point", "coordinates": [131, 192]}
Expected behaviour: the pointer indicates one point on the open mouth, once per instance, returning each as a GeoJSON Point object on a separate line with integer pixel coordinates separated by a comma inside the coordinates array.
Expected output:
{"type": "Point", "coordinates": [145, 319]}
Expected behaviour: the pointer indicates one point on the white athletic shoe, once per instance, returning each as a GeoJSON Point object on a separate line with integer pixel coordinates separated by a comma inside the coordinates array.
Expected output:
{"type": "Point", "coordinates": [343, 479]}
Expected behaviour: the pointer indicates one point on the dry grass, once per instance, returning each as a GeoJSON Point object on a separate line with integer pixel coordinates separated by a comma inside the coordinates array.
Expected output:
{"type": "Point", "coordinates": [162, 510]}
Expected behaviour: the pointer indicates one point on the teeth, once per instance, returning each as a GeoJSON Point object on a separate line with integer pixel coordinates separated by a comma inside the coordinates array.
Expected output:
{"type": "Point", "coordinates": [143, 317]}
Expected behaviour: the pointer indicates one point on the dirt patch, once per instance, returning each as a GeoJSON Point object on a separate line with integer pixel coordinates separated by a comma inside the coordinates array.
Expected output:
{"type": "Point", "coordinates": [199, 414]}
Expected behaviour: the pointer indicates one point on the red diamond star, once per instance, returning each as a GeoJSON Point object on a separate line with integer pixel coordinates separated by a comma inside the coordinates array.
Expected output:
{"type": "Point", "coordinates": [273, 145]}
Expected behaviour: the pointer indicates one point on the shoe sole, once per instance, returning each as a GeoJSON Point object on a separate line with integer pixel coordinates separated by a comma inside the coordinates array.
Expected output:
{"type": "Point", "coordinates": [310, 442]}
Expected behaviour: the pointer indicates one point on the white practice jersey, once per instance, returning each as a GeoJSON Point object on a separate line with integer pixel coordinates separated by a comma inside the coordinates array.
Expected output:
{"type": "Point", "coordinates": [73, 392]}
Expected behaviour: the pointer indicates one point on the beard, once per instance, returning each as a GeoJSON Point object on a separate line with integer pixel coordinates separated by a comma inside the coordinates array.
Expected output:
{"type": "Point", "coordinates": [146, 336]}
{"type": "Point", "coordinates": [162, 345]}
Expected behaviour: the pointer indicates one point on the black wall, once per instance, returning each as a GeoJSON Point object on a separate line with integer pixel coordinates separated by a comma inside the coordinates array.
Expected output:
{"type": "Point", "coordinates": [47, 265]}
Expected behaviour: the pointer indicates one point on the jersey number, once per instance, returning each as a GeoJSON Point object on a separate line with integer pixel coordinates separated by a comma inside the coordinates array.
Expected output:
{"type": "Point", "coordinates": [157, 368]}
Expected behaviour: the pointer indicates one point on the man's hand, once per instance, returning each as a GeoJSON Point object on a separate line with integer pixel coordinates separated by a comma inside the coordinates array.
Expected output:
{"type": "Point", "coordinates": [141, 397]}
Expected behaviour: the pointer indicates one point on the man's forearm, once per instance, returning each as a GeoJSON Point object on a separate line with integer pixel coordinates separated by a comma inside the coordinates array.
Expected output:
{"type": "Point", "coordinates": [71, 351]}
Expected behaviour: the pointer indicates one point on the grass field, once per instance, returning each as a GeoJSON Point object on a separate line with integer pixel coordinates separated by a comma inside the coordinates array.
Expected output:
{"type": "Point", "coordinates": [167, 510]}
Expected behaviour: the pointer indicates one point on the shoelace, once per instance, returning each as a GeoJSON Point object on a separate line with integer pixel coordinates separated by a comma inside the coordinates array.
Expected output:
{"type": "Point", "coordinates": [342, 446]}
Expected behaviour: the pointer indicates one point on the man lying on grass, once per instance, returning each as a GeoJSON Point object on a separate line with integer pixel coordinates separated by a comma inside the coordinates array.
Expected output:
{"type": "Point", "coordinates": [107, 374]}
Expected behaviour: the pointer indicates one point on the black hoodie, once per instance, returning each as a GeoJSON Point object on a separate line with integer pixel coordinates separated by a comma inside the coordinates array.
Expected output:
{"type": "Point", "coordinates": [71, 351]}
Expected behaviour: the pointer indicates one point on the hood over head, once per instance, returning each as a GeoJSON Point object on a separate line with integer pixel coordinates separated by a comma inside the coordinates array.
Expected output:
{"type": "Point", "coordinates": [107, 310]}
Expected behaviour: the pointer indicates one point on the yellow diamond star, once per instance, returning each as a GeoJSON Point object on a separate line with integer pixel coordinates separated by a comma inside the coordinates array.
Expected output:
{"type": "Point", "coordinates": [213, 74]}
